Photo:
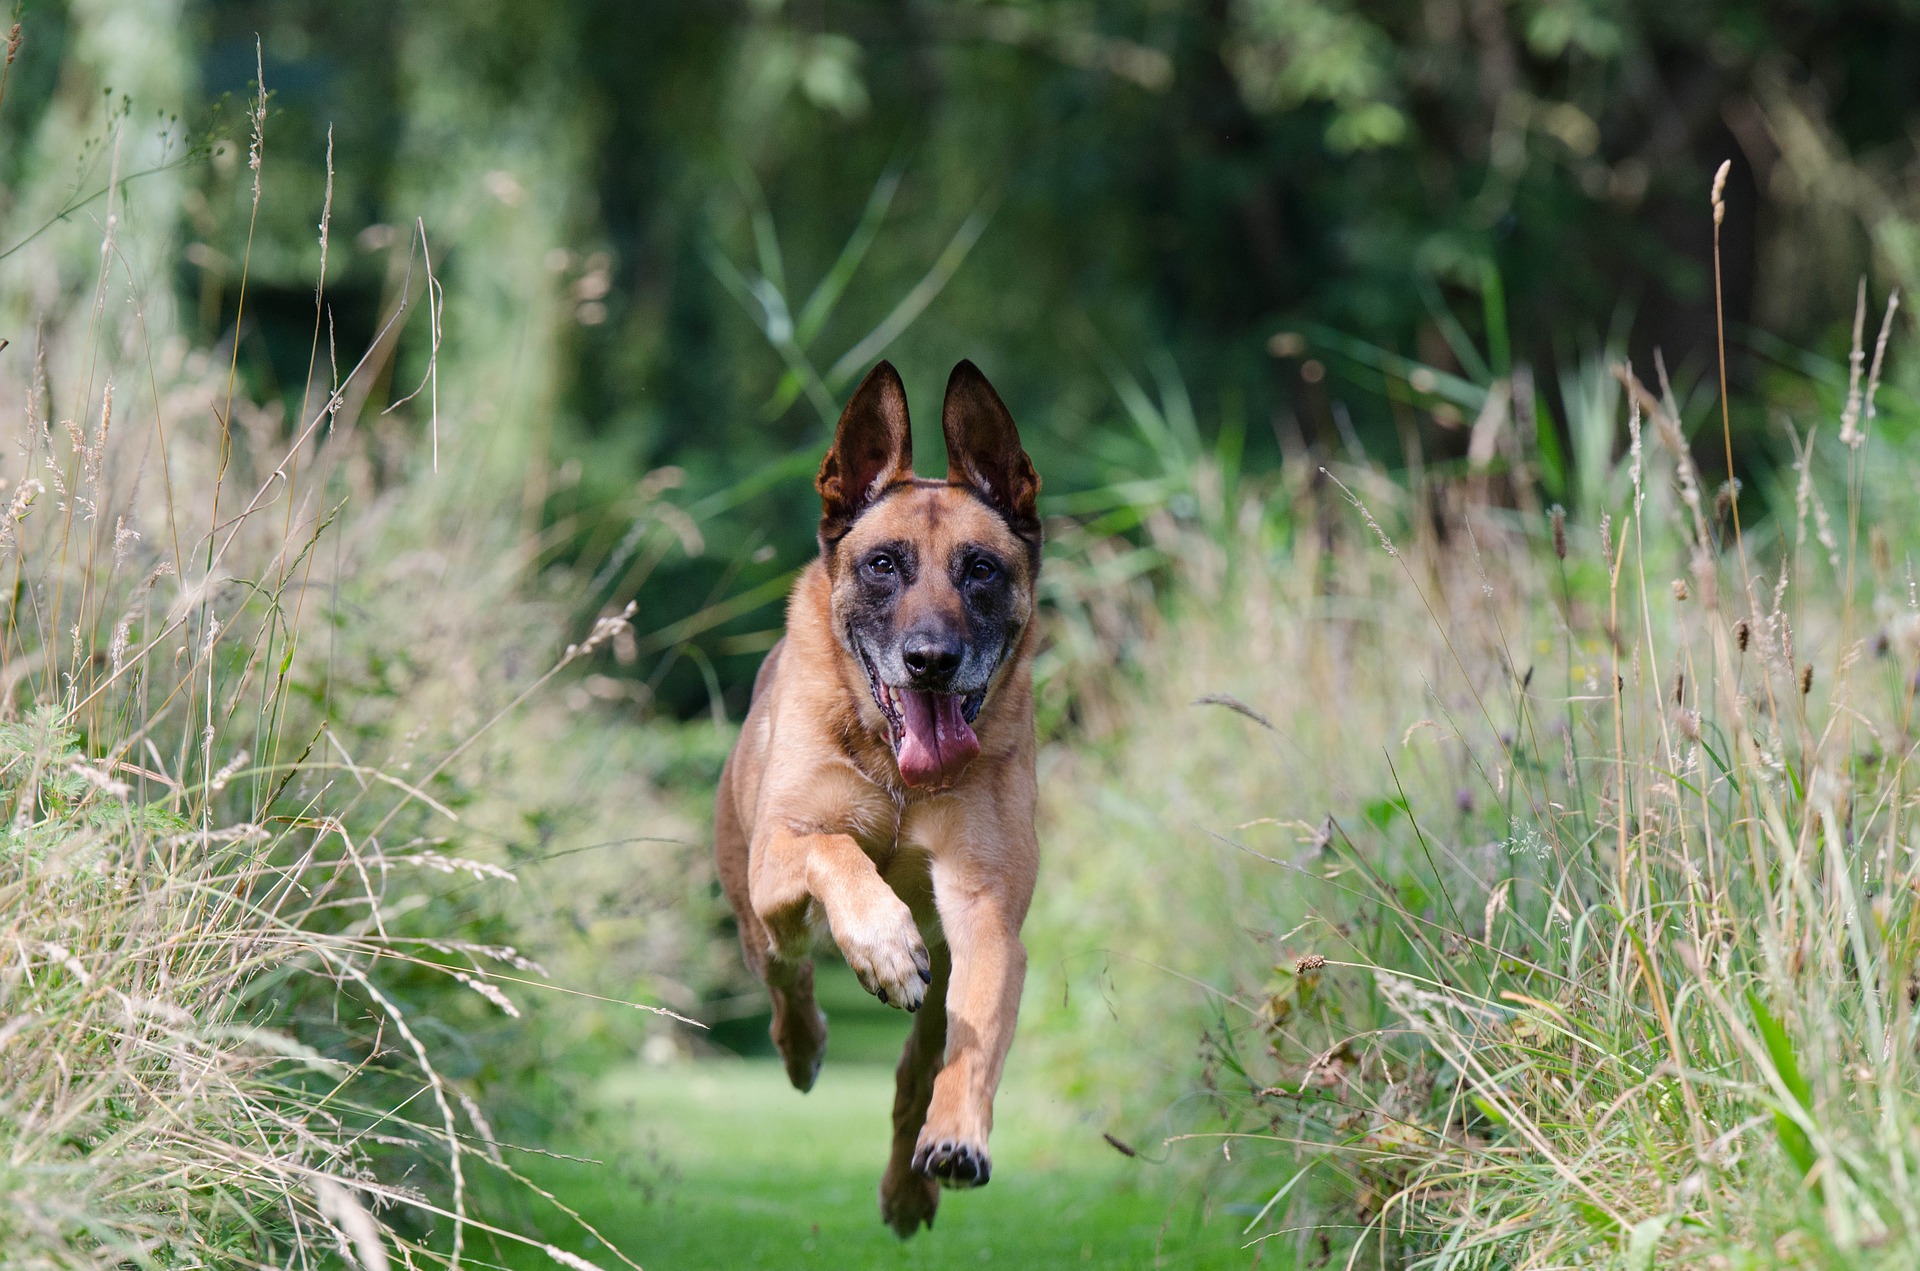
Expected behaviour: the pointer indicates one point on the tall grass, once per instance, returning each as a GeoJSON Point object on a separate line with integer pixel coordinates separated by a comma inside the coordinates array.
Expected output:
{"type": "Point", "coordinates": [240, 954]}
{"type": "Point", "coordinates": [1676, 1018]}
{"type": "Point", "coordinates": [1542, 885]}
{"type": "Point", "coordinates": [1581, 850]}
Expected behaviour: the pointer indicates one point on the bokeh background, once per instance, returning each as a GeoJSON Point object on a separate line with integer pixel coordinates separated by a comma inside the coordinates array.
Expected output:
{"type": "Point", "coordinates": [634, 204]}
{"type": "Point", "coordinates": [592, 280]}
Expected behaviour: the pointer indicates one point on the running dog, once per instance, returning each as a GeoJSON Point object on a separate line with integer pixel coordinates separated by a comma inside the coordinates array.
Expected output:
{"type": "Point", "coordinates": [883, 783]}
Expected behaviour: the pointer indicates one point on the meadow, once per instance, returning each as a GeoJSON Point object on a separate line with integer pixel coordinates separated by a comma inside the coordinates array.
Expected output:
{"type": "Point", "coordinates": [1502, 858]}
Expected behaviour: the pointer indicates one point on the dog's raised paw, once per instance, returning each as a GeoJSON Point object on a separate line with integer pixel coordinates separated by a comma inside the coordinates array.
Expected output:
{"type": "Point", "coordinates": [801, 1039]}
{"type": "Point", "coordinates": [888, 957]}
{"type": "Point", "coordinates": [908, 1201]}
{"type": "Point", "coordinates": [953, 1163]}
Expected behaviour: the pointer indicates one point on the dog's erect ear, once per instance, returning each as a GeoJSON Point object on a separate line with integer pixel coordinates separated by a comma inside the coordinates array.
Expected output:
{"type": "Point", "coordinates": [984, 454]}
{"type": "Point", "coordinates": [872, 449]}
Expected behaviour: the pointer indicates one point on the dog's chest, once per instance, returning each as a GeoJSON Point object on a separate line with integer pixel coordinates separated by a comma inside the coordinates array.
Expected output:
{"type": "Point", "coordinates": [887, 830]}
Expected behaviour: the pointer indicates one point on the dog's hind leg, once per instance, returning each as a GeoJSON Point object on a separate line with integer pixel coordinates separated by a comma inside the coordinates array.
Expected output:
{"type": "Point", "coordinates": [799, 1026]}
{"type": "Point", "coordinates": [909, 1198]}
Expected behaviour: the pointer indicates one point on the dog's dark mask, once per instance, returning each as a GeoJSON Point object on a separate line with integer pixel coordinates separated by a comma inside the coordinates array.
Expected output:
{"type": "Point", "coordinates": [932, 580]}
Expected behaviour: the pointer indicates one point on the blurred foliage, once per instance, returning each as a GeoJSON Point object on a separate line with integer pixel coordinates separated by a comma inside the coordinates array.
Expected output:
{"type": "Point", "coordinates": [699, 221]}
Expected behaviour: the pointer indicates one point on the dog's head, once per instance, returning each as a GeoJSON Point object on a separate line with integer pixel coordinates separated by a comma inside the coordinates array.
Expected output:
{"type": "Point", "coordinates": [933, 581]}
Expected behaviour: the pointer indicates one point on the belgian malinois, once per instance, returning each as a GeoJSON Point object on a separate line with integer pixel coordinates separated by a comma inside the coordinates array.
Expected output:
{"type": "Point", "coordinates": [883, 782]}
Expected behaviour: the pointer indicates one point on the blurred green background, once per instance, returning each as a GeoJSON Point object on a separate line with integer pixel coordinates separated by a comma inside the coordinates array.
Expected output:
{"type": "Point", "coordinates": [714, 216]}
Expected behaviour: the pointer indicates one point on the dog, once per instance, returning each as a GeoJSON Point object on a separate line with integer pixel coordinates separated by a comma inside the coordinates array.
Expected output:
{"type": "Point", "coordinates": [883, 782]}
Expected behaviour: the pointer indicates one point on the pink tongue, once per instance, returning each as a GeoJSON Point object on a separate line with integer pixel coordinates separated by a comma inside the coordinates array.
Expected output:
{"type": "Point", "coordinates": [937, 741]}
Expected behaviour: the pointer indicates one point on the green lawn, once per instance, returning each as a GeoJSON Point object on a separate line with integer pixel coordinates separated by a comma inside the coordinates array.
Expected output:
{"type": "Point", "coordinates": [729, 1167]}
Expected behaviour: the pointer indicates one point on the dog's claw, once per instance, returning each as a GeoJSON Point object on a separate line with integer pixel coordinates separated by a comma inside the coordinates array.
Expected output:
{"type": "Point", "coordinates": [886, 953]}
{"type": "Point", "coordinates": [954, 1164]}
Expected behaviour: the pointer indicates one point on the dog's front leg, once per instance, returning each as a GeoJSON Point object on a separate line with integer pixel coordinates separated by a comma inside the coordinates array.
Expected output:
{"type": "Point", "coordinates": [873, 927]}
{"type": "Point", "coordinates": [981, 912]}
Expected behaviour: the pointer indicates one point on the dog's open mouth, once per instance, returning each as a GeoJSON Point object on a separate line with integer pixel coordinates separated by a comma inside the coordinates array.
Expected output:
{"type": "Point", "coordinates": [931, 733]}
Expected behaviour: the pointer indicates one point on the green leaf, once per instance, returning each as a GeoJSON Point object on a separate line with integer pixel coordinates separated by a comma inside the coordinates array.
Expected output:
{"type": "Point", "coordinates": [1493, 303]}
{"type": "Point", "coordinates": [1780, 1050]}
{"type": "Point", "coordinates": [1381, 812]}
{"type": "Point", "coordinates": [1595, 1216]}
{"type": "Point", "coordinates": [1493, 1114]}
{"type": "Point", "coordinates": [1553, 462]}
{"type": "Point", "coordinates": [1793, 1137]}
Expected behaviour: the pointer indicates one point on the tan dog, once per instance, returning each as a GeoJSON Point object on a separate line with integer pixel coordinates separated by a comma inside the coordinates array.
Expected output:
{"type": "Point", "coordinates": [883, 782]}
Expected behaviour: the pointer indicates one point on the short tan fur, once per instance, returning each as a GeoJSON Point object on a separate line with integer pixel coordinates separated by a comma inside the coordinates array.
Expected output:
{"type": "Point", "coordinates": [863, 796]}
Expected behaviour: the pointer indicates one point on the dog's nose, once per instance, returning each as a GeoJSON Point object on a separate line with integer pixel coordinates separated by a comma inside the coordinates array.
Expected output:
{"type": "Point", "coordinates": [931, 656]}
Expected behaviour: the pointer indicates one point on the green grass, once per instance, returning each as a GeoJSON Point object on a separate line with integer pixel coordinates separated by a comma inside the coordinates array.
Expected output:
{"type": "Point", "coordinates": [728, 1167]}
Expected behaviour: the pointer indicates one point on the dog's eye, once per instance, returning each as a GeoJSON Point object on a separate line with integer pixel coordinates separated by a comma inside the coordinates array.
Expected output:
{"type": "Point", "coordinates": [981, 570]}
{"type": "Point", "coordinates": [882, 564]}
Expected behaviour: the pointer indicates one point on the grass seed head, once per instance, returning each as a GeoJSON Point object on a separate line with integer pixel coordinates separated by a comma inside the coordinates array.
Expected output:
{"type": "Point", "coordinates": [1879, 355]}
{"type": "Point", "coordinates": [1688, 722]}
{"type": "Point", "coordinates": [1850, 433]}
{"type": "Point", "coordinates": [1723, 499]}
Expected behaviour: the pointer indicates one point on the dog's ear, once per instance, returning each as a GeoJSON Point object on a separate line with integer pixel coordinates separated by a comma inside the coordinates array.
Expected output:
{"type": "Point", "coordinates": [984, 454]}
{"type": "Point", "coordinates": [872, 449]}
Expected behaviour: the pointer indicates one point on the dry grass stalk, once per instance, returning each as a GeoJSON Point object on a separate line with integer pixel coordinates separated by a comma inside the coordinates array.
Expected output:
{"type": "Point", "coordinates": [172, 884]}
{"type": "Point", "coordinates": [1623, 968]}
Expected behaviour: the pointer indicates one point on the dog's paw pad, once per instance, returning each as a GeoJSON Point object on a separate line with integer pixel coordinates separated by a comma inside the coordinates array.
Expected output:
{"type": "Point", "coordinates": [955, 1164]}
